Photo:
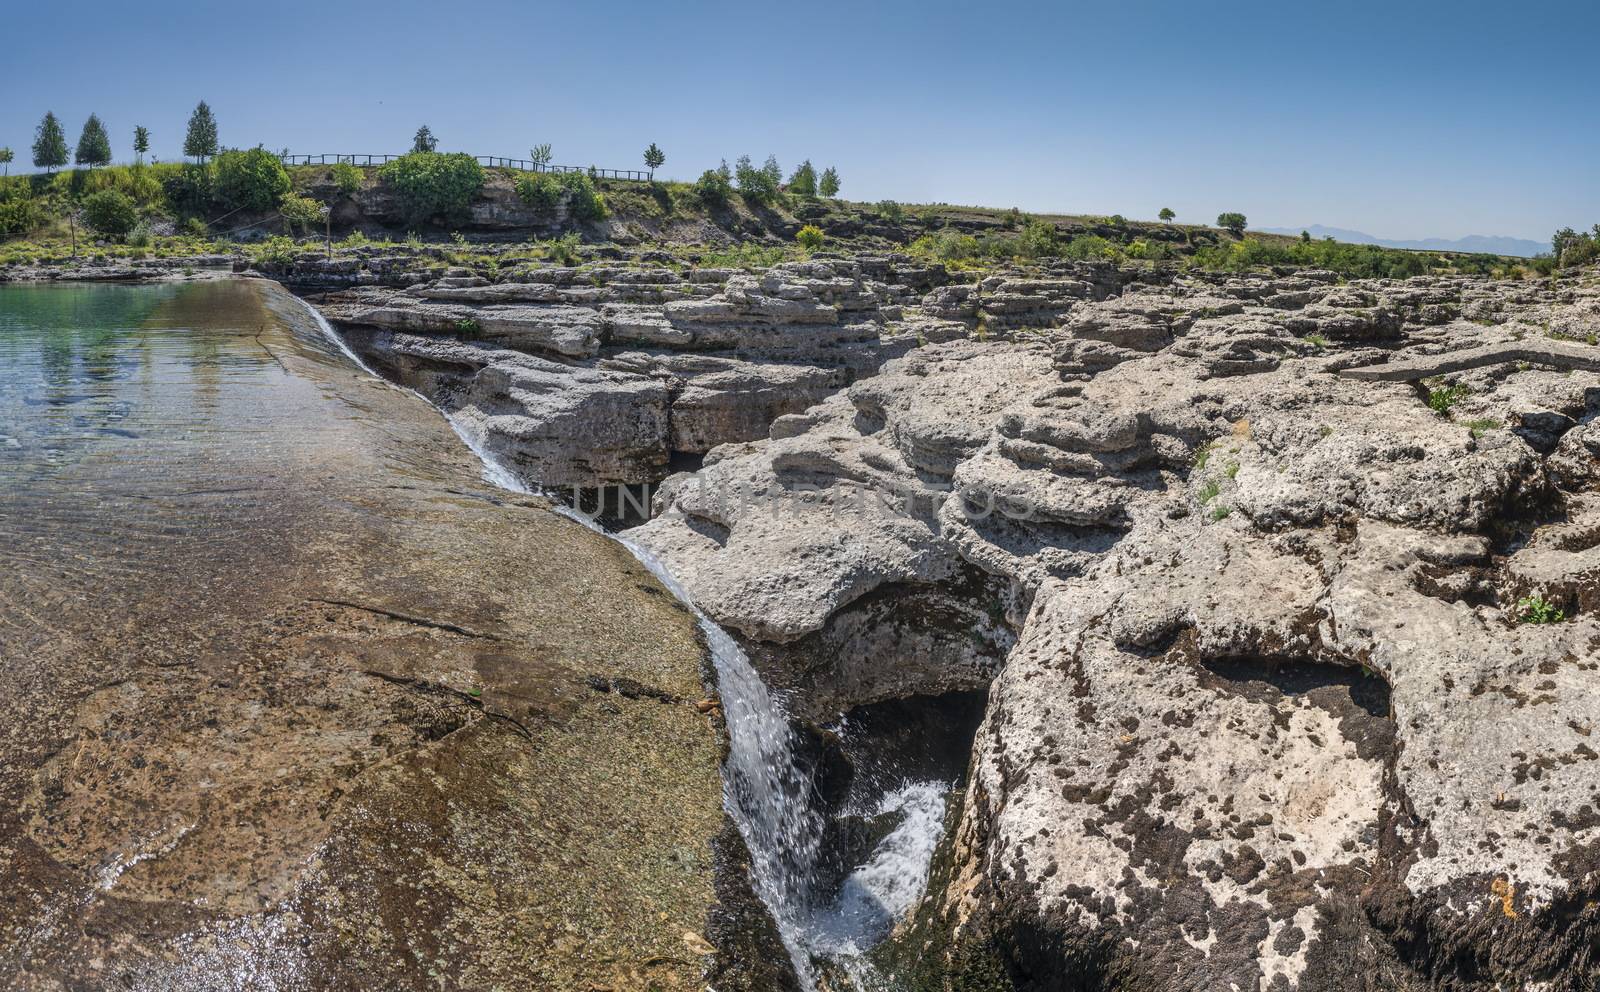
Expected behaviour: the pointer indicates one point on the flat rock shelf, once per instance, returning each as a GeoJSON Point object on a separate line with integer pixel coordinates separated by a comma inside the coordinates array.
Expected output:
{"type": "Point", "coordinates": [295, 699]}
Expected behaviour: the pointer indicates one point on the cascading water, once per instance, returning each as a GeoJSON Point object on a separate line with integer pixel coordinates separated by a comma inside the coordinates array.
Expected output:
{"type": "Point", "coordinates": [766, 792]}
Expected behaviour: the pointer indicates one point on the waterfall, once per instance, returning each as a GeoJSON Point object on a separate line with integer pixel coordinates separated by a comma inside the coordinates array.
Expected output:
{"type": "Point", "coordinates": [764, 790]}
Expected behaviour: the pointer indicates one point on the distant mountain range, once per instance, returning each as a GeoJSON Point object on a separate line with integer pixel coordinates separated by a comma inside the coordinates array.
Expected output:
{"type": "Point", "coordinates": [1473, 242]}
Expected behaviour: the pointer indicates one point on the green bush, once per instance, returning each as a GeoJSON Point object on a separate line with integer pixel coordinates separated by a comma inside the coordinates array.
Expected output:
{"type": "Point", "coordinates": [190, 189]}
{"type": "Point", "coordinates": [110, 212]}
{"type": "Point", "coordinates": [890, 210]}
{"type": "Point", "coordinates": [714, 186]}
{"type": "Point", "coordinates": [1038, 239]}
{"type": "Point", "coordinates": [347, 177]}
{"type": "Point", "coordinates": [301, 212]}
{"type": "Point", "coordinates": [251, 179]}
{"type": "Point", "coordinates": [810, 237]}
{"type": "Point", "coordinates": [431, 184]}
{"type": "Point", "coordinates": [583, 202]}
{"type": "Point", "coordinates": [539, 190]}
{"type": "Point", "coordinates": [19, 211]}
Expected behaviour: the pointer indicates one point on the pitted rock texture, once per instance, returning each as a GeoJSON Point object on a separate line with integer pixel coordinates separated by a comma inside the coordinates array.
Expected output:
{"type": "Point", "coordinates": [1280, 711]}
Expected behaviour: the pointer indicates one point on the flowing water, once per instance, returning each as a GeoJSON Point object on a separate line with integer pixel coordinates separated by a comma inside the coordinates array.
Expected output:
{"type": "Point", "coordinates": [771, 798]}
{"type": "Point", "coordinates": [150, 425]}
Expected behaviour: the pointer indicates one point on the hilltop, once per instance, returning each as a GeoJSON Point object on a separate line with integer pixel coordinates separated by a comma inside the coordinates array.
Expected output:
{"type": "Point", "coordinates": [249, 197]}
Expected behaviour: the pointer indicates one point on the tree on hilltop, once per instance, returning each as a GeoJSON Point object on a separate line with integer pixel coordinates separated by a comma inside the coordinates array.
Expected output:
{"type": "Point", "coordinates": [803, 182]}
{"type": "Point", "coordinates": [94, 145]}
{"type": "Point", "coordinates": [201, 140]}
{"type": "Point", "coordinates": [49, 144]}
{"type": "Point", "coordinates": [424, 141]}
{"type": "Point", "coordinates": [1233, 222]}
{"type": "Point", "coordinates": [5, 158]}
{"type": "Point", "coordinates": [654, 158]}
{"type": "Point", "coordinates": [141, 142]}
{"type": "Point", "coordinates": [541, 156]}
{"type": "Point", "coordinates": [1166, 215]}
{"type": "Point", "coordinates": [829, 184]}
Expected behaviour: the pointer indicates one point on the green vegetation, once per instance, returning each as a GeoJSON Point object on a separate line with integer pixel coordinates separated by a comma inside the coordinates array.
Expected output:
{"type": "Point", "coordinates": [347, 178]}
{"type": "Point", "coordinates": [828, 185]}
{"type": "Point", "coordinates": [543, 190]}
{"type": "Point", "coordinates": [715, 185]}
{"type": "Point", "coordinates": [540, 155]}
{"type": "Point", "coordinates": [1208, 491]}
{"type": "Point", "coordinates": [744, 256]}
{"type": "Point", "coordinates": [810, 237]}
{"type": "Point", "coordinates": [540, 190]}
{"type": "Point", "coordinates": [1166, 215]}
{"type": "Point", "coordinates": [1442, 398]}
{"type": "Point", "coordinates": [1570, 248]}
{"type": "Point", "coordinates": [424, 141]}
{"type": "Point", "coordinates": [110, 212]}
{"type": "Point", "coordinates": [467, 327]}
{"type": "Point", "coordinates": [94, 145]}
{"type": "Point", "coordinates": [49, 144]}
{"type": "Point", "coordinates": [1351, 261]}
{"type": "Point", "coordinates": [433, 185]}
{"type": "Point", "coordinates": [890, 210]}
{"type": "Point", "coordinates": [758, 187]}
{"type": "Point", "coordinates": [301, 212]}
{"type": "Point", "coordinates": [1537, 609]}
{"type": "Point", "coordinates": [803, 181]}
{"type": "Point", "coordinates": [654, 158]}
{"type": "Point", "coordinates": [1233, 222]}
{"type": "Point", "coordinates": [1478, 427]}
{"type": "Point", "coordinates": [252, 179]}
{"type": "Point", "coordinates": [141, 143]}
{"type": "Point", "coordinates": [200, 141]}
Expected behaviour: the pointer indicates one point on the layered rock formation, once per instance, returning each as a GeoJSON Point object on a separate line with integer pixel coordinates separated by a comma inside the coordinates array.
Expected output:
{"type": "Point", "coordinates": [599, 376]}
{"type": "Point", "coordinates": [1283, 710]}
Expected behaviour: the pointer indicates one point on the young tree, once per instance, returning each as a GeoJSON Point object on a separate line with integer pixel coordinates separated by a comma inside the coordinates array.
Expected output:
{"type": "Point", "coordinates": [803, 182]}
{"type": "Point", "coordinates": [540, 154]}
{"type": "Point", "coordinates": [1166, 215]}
{"type": "Point", "coordinates": [1233, 222]}
{"type": "Point", "coordinates": [424, 140]}
{"type": "Point", "coordinates": [654, 158]}
{"type": "Point", "coordinates": [5, 158]}
{"type": "Point", "coordinates": [773, 171]}
{"type": "Point", "coordinates": [201, 140]}
{"type": "Point", "coordinates": [141, 142]}
{"type": "Point", "coordinates": [94, 145]}
{"type": "Point", "coordinates": [49, 144]}
{"type": "Point", "coordinates": [829, 184]}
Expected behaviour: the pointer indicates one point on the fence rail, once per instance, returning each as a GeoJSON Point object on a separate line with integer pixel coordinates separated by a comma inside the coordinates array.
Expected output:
{"type": "Point", "coordinates": [493, 161]}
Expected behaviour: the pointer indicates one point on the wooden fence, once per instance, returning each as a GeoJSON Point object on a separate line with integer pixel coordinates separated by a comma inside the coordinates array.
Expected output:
{"type": "Point", "coordinates": [628, 175]}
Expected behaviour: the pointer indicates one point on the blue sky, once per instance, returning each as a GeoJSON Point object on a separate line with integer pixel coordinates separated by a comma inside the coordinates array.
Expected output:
{"type": "Point", "coordinates": [1399, 119]}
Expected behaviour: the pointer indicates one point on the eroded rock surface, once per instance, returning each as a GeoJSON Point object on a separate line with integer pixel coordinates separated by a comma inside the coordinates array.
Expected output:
{"type": "Point", "coordinates": [1282, 710]}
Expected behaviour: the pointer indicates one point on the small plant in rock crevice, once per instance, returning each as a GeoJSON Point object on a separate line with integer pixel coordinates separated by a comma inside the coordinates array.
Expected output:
{"type": "Point", "coordinates": [1442, 398]}
{"type": "Point", "coordinates": [467, 327]}
{"type": "Point", "coordinates": [1537, 609]}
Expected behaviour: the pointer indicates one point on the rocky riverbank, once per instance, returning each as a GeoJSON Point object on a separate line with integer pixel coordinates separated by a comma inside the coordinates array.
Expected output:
{"type": "Point", "coordinates": [1279, 585]}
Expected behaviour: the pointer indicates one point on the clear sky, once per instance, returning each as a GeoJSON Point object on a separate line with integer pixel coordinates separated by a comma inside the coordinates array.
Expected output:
{"type": "Point", "coordinates": [1400, 119]}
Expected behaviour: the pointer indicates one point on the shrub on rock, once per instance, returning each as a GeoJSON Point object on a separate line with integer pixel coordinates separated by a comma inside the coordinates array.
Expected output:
{"type": "Point", "coordinates": [432, 185]}
{"type": "Point", "coordinates": [252, 179]}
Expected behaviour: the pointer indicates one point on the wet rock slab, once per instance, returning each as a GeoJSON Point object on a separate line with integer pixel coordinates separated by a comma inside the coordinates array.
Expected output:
{"type": "Point", "coordinates": [295, 700]}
